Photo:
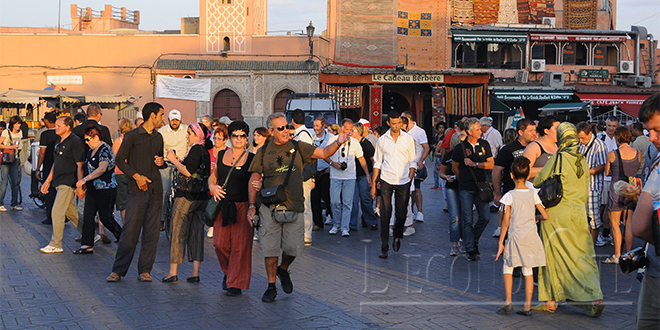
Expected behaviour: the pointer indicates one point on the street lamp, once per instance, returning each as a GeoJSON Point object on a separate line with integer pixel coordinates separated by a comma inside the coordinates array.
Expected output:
{"type": "Point", "coordinates": [310, 34]}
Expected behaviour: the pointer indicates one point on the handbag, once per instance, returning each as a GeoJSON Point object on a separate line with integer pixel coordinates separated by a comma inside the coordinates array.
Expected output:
{"type": "Point", "coordinates": [485, 189]}
{"type": "Point", "coordinates": [552, 190]}
{"type": "Point", "coordinates": [276, 194]}
{"type": "Point", "coordinates": [9, 155]}
{"type": "Point", "coordinates": [422, 174]}
{"type": "Point", "coordinates": [214, 207]}
{"type": "Point", "coordinates": [194, 184]}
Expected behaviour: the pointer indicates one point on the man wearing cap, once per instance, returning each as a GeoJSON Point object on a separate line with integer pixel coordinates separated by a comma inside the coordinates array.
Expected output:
{"type": "Point", "coordinates": [367, 134]}
{"type": "Point", "coordinates": [491, 135]}
{"type": "Point", "coordinates": [174, 138]}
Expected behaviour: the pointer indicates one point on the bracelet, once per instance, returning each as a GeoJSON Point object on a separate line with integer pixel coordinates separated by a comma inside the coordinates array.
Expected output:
{"type": "Point", "coordinates": [252, 207]}
{"type": "Point", "coordinates": [84, 179]}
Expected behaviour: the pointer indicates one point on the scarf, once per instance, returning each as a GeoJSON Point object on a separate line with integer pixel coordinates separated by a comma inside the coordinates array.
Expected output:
{"type": "Point", "coordinates": [200, 134]}
{"type": "Point", "coordinates": [567, 141]}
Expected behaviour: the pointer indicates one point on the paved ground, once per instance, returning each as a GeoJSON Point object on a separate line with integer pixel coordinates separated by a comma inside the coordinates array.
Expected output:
{"type": "Point", "coordinates": [338, 283]}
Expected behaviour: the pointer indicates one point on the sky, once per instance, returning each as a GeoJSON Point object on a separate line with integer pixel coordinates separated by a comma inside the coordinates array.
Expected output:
{"type": "Point", "coordinates": [283, 15]}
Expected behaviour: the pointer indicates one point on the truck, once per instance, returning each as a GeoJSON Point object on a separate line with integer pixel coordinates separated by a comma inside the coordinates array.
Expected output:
{"type": "Point", "coordinates": [314, 105]}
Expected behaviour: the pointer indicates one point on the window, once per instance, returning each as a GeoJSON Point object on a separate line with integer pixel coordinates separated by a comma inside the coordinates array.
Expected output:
{"type": "Point", "coordinates": [225, 44]}
{"type": "Point", "coordinates": [487, 55]}
{"type": "Point", "coordinates": [545, 51]}
{"type": "Point", "coordinates": [279, 104]}
{"type": "Point", "coordinates": [605, 55]}
{"type": "Point", "coordinates": [568, 54]}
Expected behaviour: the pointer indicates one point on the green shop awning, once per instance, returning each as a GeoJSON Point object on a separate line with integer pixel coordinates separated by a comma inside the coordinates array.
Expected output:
{"type": "Point", "coordinates": [488, 36]}
{"type": "Point", "coordinates": [573, 106]}
{"type": "Point", "coordinates": [531, 95]}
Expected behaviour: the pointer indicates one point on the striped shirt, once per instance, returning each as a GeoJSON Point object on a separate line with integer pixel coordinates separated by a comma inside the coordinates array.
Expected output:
{"type": "Point", "coordinates": [596, 156]}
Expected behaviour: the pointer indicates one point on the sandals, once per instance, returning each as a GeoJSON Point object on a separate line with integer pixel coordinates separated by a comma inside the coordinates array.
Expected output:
{"type": "Point", "coordinates": [597, 309]}
{"type": "Point", "coordinates": [82, 250]}
{"type": "Point", "coordinates": [611, 260]}
{"type": "Point", "coordinates": [542, 308]}
{"type": "Point", "coordinates": [105, 239]}
{"type": "Point", "coordinates": [505, 309]}
{"type": "Point", "coordinates": [524, 313]}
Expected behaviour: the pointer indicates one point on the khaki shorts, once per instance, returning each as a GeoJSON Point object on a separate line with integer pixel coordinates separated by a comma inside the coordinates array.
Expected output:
{"type": "Point", "coordinates": [605, 192]}
{"type": "Point", "coordinates": [275, 237]}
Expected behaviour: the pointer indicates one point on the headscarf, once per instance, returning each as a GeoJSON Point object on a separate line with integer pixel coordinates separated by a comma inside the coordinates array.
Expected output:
{"type": "Point", "coordinates": [200, 134]}
{"type": "Point", "coordinates": [567, 141]}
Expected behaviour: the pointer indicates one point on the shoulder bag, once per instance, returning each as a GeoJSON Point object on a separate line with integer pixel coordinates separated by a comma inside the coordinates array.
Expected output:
{"type": "Point", "coordinates": [196, 183]}
{"type": "Point", "coordinates": [9, 155]}
{"type": "Point", "coordinates": [275, 194]}
{"type": "Point", "coordinates": [214, 207]}
{"type": "Point", "coordinates": [552, 190]}
{"type": "Point", "coordinates": [484, 188]}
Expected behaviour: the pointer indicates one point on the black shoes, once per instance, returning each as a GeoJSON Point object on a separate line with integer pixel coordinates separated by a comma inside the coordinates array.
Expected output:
{"type": "Point", "coordinates": [171, 279]}
{"type": "Point", "coordinates": [269, 295]}
{"type": "Point", "coordinates": [193, 279]}
{"type": "Point", "coordinates": [505, 309]}
{"type": "Point", "coordinates": [232, 292]}
{"type": "Point", "coordinates": [224, 283]}
{"type": "Point", "coordinates": [285, 280]}
{"type": "Point", "coordinates": [383, 255]}
{"type": "Point", "coordinates": [374, 227]}
{"type": "Point", "coordinates": [47, 222]}
{"type": "Point", "coordinates": [396, 244]}
{"type": "Point", "coordinates": [472, 256]}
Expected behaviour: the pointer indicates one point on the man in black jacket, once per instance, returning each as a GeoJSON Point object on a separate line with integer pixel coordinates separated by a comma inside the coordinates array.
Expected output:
{"type": "Point", "coordinates": [93, 118]}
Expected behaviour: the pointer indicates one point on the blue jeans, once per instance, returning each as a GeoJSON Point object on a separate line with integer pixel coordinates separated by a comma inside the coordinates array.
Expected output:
{"type": "Point", "coordinates": [362, 200]}
{"type": "Point", "coordinates": [472, 233]}
{"type": "Point", "coordinates": [454, 208]}
{"type": "Point", "coordinates": [436, 177]}
{"type": "Point", "coordinates": [11, 173]}
{"type": "Point", "coordinates": [342, 203]}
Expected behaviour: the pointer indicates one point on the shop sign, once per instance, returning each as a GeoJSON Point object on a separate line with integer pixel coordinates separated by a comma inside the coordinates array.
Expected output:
{"type": "Point", "coordinates": [598, 74]}
{"type": "Point", "coordinates": [408, 78]}
{"type": "Point", "coordinates": [536, 96]}
{"type": "Point", "coordinates": [578, 37]}
{"type": "Point", "coordinates": [65, 80]}
{"type": "Point", "coordinates": [500, 39]}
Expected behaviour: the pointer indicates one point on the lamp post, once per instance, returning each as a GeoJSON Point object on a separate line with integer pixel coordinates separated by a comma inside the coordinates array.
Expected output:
{"type": "Point", "coordinates": [310, 34]}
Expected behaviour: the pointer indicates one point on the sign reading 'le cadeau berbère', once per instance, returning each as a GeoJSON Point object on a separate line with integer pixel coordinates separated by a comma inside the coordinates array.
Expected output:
{"type": "Point", "coordinates": [409, 78]}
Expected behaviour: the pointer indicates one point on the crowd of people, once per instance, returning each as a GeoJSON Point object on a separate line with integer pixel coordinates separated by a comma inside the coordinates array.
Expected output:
{"type": "Point", "coordinates": [343, 175]}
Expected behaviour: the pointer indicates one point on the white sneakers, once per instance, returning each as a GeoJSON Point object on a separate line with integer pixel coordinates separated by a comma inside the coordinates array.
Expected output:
{"type": "Point", "coordinates": [51, 249]}
{"type": "Point", "coordinates": [97, 238]}
{"type": "Point", "coordinates": [409, 231]}
{"type": "Point", "coordinates": [419, 217]}
{"type": "Point", "coordinates": [17, 208]}
{"type": "Point", "coordinates": [328, 220]}
{"type": "Point", "coordinates": [209, 233]}
{"type": "Point", "coordinates": [334, 230]}
{"type": "Point", "coordinates": [497, 232]}
{"type": "Point", "coordinates": [345, 233]}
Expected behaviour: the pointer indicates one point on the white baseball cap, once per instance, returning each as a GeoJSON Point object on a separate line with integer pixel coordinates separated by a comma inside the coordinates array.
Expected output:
{"type": "Point", "coordinates": [175, 114]}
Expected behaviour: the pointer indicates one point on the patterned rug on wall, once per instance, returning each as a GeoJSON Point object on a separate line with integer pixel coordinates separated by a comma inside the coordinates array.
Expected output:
{"type": "Point", "coordinates": [538, 9]}
{"type": "Point", "coordinates": [463, 12]}
{"type": "Point", "coordinates": [523, 11]}
{"type": "Point", "coordinates": [465, 101]}
{"type": "Point", "coordinates": [366, 32]}
{"type": "Point", "coordinates": [486, 11]}
{"type": "Point", "coordinates": [580, 14]}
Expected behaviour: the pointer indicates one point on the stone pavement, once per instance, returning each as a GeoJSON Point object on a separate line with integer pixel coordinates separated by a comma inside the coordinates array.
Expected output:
{"type": "Point", "coordinates": [339, 282]}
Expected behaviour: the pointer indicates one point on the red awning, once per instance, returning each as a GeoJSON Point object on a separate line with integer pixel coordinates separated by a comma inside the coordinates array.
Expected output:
{"type": "Point", "coordinates": [629, 103]}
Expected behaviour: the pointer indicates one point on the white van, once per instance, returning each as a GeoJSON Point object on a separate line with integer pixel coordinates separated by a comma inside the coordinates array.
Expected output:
{"type": "Point", "coordinates": [314, 105]}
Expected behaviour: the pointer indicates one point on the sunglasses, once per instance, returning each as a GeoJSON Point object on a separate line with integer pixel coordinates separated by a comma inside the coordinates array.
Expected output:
{"type": "Point", "coordinates": [88, 139]}
{"type": "Point", "coordinates": [281, 128]}
{"type": "Point", "coordinates": [243, 136]}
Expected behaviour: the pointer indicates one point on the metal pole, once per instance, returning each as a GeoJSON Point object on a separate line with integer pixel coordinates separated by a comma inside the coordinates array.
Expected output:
{"type": "Point", "coordinates": [59, 12]}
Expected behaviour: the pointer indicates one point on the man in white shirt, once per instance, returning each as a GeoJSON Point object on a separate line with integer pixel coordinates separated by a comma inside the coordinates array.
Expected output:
{"type": "Point", "coordinates": [301, 134]}
{"type": "Point", "coordinates": [395, 163]}
{"type": "Point", "coordinates": [342, 179]}
{"type": "Point", "coordinates": [321, 189]}
{"type": "Point", "coordinates": [610, 142]}
{"type": "Point", "coordinates": [421, 152]}
{"type": "Point", "coordinates": [174, 138]}
{"type": "Point", "coordinates": [641, 144]}
{"type": "Point", "coordinates": [491, 135]}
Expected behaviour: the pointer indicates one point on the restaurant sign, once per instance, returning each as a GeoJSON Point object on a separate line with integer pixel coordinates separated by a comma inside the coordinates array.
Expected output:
{"type": "Point", "coordinates": [408, 78]}
{"type": "Point", "coordinates": [598, 73]}
{"type": "Point", "coordinates": [533, 95]}
{"type": "Point", "coordinates": [65, 80]}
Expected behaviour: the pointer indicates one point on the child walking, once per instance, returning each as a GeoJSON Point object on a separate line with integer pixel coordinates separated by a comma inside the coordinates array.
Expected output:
{"type": "Point", "coordinates": [523, 246]}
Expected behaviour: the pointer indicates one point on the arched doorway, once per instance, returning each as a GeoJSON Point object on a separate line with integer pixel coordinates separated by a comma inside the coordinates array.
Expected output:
{"type": "Point", "coordinates": [394, 101]}
{"type": "Point", "coordinates": [227, 103]}
{"type": "Point", "coordinates": [279, 104]}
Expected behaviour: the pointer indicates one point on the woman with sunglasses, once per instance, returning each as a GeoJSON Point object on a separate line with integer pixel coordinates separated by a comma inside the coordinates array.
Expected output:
{"type": "Point", "coordinates": [188, 209]}
{"type": "Point", "coordinates": [101, 186]}
{"type": "Point", "coordinates": [233, 231]}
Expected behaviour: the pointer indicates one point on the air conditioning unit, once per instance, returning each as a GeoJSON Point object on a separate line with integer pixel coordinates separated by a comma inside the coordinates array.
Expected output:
{"type": "Point", "coordinates": [639, 82]}
{"type": "Point", "coordinates": [538, 66]}
{"type": "Point", "coordinates": [626, 67]}
{"type": "Point", "coordinates": [552, 21]}
{"type": "Point", "coordinates": [553, 79]}
{"type": "Point", "coordinates": [522, 77]}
